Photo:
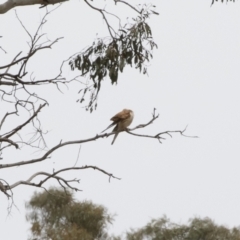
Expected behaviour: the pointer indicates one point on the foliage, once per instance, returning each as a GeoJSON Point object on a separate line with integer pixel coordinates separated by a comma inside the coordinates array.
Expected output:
{"type": "Point", "coordinates": [197, 229]}
{"type": "Point", "coordinates": [131, 45]}
{"type": "Point", "coordinates": [56, 215]}
{"type": "Point", "coordinates": [213, 1]}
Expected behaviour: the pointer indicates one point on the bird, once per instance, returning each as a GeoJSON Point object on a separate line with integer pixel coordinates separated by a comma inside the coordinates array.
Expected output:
{"type": "Point", "coordinates": [121, 121]}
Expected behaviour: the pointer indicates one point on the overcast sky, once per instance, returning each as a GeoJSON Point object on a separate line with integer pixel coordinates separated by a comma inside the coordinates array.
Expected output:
{"type": "Point", "coordinates": [193, 80]}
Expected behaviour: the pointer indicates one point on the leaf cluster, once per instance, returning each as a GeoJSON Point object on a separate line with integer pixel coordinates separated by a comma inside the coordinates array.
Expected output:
{"type": "Point", "coordinates": [132, 46]}
{"type": "Point", "coordinates": [213, 1]}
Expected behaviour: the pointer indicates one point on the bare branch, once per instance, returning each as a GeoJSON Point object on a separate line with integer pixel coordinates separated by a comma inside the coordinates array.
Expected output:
{"type": "Point", "coordinates": [15, 130]}
{"type": "Point", "coordinates": [17, 80]}
{"type": "Point", "coordinates": [7, 114]}
{"type": "Point", "coordinates": [3, 189]}
{"type": "Point", "coordinates": [116, 1]}
{"type": "Point", "coordinates": [7, 83]}
{"type": "Point", "coordinates": [54, 176]}
{"type": "Point", "coordinates": [26, 58]}
{"type": "Point", "coordinates": [110, 29]}
{"type": "Point", "coordinates": [3, 50]}
{"type": "Point", "coordinates": [154, 117]}
{"type": "Point", "coordinates": [9, 4]}
{"type": "Point", "coordinates": [50, 151]}
{"type": "Point", "coordinates": [158, 136]}
{"type": "Point", "coordinates": [9, 141]}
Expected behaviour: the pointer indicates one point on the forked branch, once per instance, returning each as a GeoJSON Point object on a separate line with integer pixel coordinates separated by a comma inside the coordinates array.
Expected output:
{"type": "Point", "coordinates": [159, 135]}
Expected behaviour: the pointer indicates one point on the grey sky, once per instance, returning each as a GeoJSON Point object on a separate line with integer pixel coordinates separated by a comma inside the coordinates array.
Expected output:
{"type": "Point", "coordinates": [193, 80]}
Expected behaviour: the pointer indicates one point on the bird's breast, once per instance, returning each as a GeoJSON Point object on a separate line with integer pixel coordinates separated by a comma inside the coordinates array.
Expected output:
{"type": "Point", "coordinates": [126, 122]}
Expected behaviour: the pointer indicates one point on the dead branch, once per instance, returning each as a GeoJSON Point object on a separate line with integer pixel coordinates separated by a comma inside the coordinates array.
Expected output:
{"type": "Point", "coordinates": [17, 81]}
{"type": "Point", "coordinates": [60, 145]}
{"type": "Point", "coordinates": [38, 136]}
{"type": "Point", "coordinates": [60, 179]}
{"type": "Point", "coordinates": [9, 4]}
{"type": "Point", "coordinates": [159, 135]}
{"type": "Point", "coordinates": [120, 1]}
{"type": "Point", "coordinates": [7, 114]}
{"type": "Point", "coordinates": [9, 141]}
{"type": "Point", "coordinates": [110, 29]}
{"type": "Point", "coordinates": [3, 188]}
{"type": "Point", "coordinates": [15, 130]}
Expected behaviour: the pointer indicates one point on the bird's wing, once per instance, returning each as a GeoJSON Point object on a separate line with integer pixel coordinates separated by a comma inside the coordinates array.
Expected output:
{"type": "Point", "coordinates": [124, 114]}
{"type": "Point", "coordinates": [111, 125]}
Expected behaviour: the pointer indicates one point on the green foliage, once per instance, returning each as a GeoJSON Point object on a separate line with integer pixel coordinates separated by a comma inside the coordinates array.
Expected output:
{"type": "Point", "coordinates": [56, 215]}
{"type": "Point", "coordinates": [213, 1]}
{"type": "Point", "coordinates": [197, 229]}
{"type": "Point", "coordinates": [132, 45]}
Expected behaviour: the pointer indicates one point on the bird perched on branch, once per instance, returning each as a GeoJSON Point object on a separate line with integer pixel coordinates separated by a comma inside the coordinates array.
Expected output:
{"type": "Point", "coordinates": [121, 121]}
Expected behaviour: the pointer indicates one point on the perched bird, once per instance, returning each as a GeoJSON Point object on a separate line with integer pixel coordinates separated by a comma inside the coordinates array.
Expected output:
{"type": "Point", "coordinates": [121, 121]}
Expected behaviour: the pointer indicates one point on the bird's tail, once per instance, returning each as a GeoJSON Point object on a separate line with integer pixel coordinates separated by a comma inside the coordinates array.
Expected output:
{"type": "Point", "coordinates": [115, 136]}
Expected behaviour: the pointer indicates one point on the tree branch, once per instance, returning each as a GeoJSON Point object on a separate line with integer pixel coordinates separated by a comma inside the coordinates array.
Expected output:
{"type": "Point", "coordinates": [3, 189]}
{"type": "Point", "coordinates": [9, 141]}
{"type": "Point", "coordinates": [54, 175]}
{"type": "Point", "coordinates": [16, 3]}
{"type": "Point", "coordinates": [157, 136]}
{"type": "Point", "coordinates": [116, 1]}
{"type": "Point", "coordinates": [49, 152]}
{"type": "Point", "coordinates": [110, 29]}
{"type": "Point", "coordinates": [15, 130]}
{"type": "Point", "coordinates": [7, 114]}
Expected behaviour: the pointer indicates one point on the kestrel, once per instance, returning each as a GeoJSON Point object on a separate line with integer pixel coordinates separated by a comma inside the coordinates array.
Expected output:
{"type": "Point", "coordinates": [121, 121]}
